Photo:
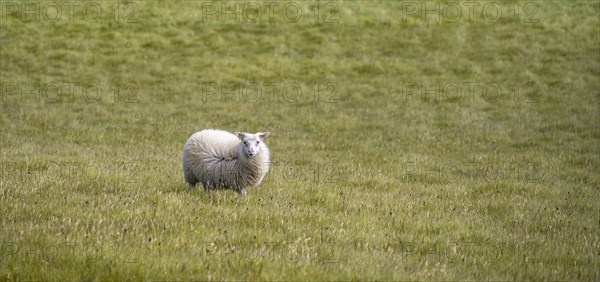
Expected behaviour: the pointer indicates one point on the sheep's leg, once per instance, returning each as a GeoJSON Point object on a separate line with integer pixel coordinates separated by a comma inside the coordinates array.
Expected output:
{"type": "Point", "coordinates": [191, 186]}
{"type": "Point", "coordinates": [242, 192]}
{"type": "Point", "coordinates": [206, 189]}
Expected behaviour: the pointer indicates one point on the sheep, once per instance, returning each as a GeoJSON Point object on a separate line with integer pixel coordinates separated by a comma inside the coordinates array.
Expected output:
{"type": "Point", "coordinates": [221, 160]}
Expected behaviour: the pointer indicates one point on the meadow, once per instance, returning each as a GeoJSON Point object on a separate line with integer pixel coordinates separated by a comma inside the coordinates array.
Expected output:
{"type": "Point", "coordinates": [410, 140]}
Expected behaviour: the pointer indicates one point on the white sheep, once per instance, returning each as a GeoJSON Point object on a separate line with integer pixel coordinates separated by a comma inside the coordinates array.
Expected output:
{"type": "Point", "coordinates": [222, 160]}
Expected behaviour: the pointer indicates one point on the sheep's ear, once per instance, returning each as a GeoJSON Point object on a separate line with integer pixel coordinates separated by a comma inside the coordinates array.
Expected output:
{"type": "Point", "coordinates": [240, 135]}
{"type": "Point", "coordinates": [263, 135]}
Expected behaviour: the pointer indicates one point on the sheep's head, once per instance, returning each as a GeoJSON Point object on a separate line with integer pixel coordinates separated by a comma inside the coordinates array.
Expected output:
{"type": "Point", "coordinates": [252, 142]}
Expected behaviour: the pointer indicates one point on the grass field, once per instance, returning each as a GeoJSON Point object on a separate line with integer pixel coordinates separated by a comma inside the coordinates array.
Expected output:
{"type": "Point", "coordinates": [457, 143]}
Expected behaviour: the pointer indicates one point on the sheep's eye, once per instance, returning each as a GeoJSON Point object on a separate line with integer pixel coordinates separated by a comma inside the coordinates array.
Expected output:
{"type": "Point", "coordinates": [245, 142]}
{"type": "Point", "coordinates": [257, 142]}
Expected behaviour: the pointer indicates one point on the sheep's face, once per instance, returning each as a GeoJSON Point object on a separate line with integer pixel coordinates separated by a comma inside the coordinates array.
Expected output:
{"type": "Point", "coordinates": [252, 142]}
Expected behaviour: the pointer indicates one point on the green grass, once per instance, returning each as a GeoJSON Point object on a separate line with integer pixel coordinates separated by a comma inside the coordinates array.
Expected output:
{"type": "Point", "coordinates": [374, 180]}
